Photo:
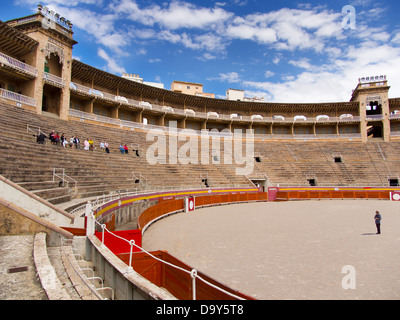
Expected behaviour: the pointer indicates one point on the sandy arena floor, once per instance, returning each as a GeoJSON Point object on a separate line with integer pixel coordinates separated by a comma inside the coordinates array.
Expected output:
{"type": "Point", "coordinates": [289, 250]}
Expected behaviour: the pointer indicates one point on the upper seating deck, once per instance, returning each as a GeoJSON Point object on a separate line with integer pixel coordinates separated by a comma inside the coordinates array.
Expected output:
{"type": "Point", "coordinates": [285, 163]}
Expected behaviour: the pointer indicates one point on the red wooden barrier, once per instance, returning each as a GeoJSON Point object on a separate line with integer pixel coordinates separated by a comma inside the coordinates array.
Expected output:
{"type": "Point", "coordinates": [177, 282]}
{"type": "Point", "coordinates": [117, 245]}
{"type": "Point", "coordinates": [167, 206]}
{"type": "Point", "coordinates": [332, 194]}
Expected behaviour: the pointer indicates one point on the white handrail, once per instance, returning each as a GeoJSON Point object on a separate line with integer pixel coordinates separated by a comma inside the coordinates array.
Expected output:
{"type": "Point", "coordinates": [192, 273]}
{"type": "Point", "coordinates": [93, 289]}
{"type": "Point", "coordinates": [65, 178]}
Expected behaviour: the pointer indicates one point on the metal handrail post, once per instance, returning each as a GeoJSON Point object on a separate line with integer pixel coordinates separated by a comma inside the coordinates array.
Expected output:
{"type": "Point", "coordinates": [193, 275]}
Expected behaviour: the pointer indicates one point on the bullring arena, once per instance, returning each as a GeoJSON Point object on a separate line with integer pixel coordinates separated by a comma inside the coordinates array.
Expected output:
{"type": "Point", "coordinates": [195, 210]}
{"type": "Point", "coordinates": [288, 250]}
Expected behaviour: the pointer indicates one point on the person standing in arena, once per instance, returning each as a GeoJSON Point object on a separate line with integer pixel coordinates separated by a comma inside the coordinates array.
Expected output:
{"type": "Point", "coordinates": [378, 219]}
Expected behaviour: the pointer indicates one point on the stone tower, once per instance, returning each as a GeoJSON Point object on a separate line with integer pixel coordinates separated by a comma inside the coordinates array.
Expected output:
{"type": "Point", "coordinates": [52, 58]}
{"type": "Point", "coordinates": [373, 95]}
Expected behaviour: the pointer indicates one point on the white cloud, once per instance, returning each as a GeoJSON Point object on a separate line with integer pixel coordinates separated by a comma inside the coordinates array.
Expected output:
{"type": "Point", "coordinates": [303, 63]}
{"type": "Point", "coordinates": [208, 42]}
{"type": "Point", "coordinates": [112, 65]}
{"type": "Point", "coordinates": [278, 57]}
{"type": "Point", "coordinates": [206, 57]}
{"type": "Point", "coordinates": [246, 32]}
{"type": "Point", "coordinates": [231, 77]}
{"type": "Point", "coordinates": [396, 38]}
{"type": "Point", "coordinates": [334, 82]}
{"type": "Point", "coordinates": [141, 52]}
{"type": "Point", "coordinates": [177, 15]}
{"type": "Point", "coordinates": [156, 60]}
{"type": "Point", "coordinates": [143, 33]}
{"type": "Point", "coordinates": [288, 29]}
{"type": "Point", "coordinates": [256, 94]}
{"type": "Point", "coordinates": [269, 74]}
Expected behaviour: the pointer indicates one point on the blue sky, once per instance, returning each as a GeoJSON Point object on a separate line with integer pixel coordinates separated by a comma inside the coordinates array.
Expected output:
{"type": "Point", "coordinates": [284, 51]}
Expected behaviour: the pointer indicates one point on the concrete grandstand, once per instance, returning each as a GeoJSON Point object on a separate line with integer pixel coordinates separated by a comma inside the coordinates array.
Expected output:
{"type": "Point", "coordinates": [65, 209]}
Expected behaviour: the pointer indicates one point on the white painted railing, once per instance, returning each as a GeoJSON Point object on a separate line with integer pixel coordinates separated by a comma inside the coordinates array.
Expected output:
{"type": "Point", "coordinates": [18, 65]}
{"type": "Point", "coordinates": [17, 97]}
{"type": "Point", "coordinates": [53, 79]}
{"type": "Point", "coordinates": [226, 117]}
{"type": "Point", "coordinates": [136, 125]}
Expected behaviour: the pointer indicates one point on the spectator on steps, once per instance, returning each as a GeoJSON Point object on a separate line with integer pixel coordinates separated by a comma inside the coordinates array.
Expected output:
{"type": "Point", "coordinates": [106, 147]}
{"type": "Point", "coordinates": [91, 145]}
{"type": "Point", "coordinates": [51, 137]}
{"type": "Point", "coordinates": [63, 141]}
{"type": "Point", "coordinates": [126, 149]}
{"type": "Point", "coordinates": [121, 148]}
{"type": "Point", "coordinates": [77, 142]}
{"type": "Point", "coordinates": [102, 146]}
{"type": "Point", "coordinates": [71, 141]}
{"type": "Point", "coordinates": [86, 144]}
{"type": "Point", "coordinates": [41, 138]}
{"type": "Point", "coordinates": [57, 139]}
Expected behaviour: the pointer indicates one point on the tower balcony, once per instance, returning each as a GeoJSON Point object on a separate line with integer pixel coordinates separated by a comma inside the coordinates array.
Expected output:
{"type": "Point", "coordinates": [53, 80]}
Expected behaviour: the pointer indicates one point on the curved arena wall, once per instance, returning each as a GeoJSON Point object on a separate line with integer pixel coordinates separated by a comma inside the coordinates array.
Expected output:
{"type": "Point", "coordinates": [178, 283]}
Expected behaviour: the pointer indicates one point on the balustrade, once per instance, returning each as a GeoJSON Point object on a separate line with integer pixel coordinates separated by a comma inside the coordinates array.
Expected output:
{"type": "Point", "coordinates": [9, 95]}
{"type": "Point", "coordinates": [18, 65]}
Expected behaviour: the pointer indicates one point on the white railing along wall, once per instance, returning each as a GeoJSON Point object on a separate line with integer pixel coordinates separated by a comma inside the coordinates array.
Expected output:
{"type": "Point", "coordinates": [135, 125]}
{"type": "Point", "coordinates": [19, 98]}
{"type": "Point", "coordinates": [193, 273]}
{"type": "Point", "coordinates": [209, 115]}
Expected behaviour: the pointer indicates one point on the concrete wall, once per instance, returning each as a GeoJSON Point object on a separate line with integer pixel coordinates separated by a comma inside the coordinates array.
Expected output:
{"type": "Point", "coordinates": [14, 221]}
{"type": "Point", "coordinates": [26, 200]}
{"type": "Point", "coordinates": [126, 283]}
{"type": "Point", "coordinates": [129, 215]}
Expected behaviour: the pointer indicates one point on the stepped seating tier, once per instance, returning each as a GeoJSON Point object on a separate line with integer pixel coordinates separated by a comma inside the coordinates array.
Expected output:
{"type": "Point", "coordinates": [287, 163]}
{"type": "Point", "coordinates": [361, 164]}
{"type": "Point", "coordinates": [96, 172]}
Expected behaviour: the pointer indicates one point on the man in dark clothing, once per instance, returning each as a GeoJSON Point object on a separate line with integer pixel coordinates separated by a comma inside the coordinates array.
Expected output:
{"type": "Point", "coordinates": [378, 219]}
{"type": "Point", "coordinates": [41, 137]}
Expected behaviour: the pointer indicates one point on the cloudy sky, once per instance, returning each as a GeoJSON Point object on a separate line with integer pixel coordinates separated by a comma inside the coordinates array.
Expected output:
{"type": "Point", "coordinates": [284, 51]}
